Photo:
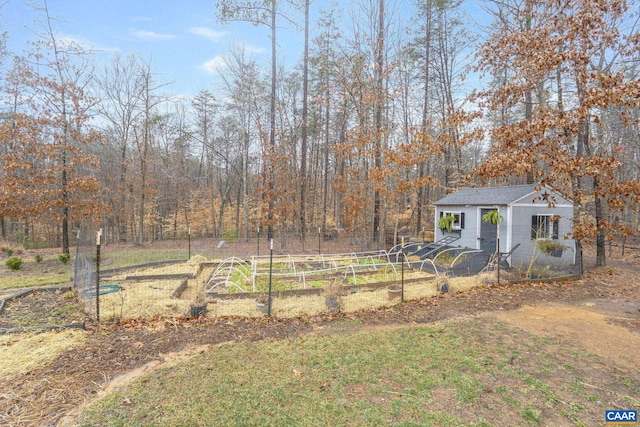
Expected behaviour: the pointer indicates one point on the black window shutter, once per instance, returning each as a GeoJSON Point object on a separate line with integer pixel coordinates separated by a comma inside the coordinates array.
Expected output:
{"type": "Point", "coordinates": [462, 220]}
{"type": "Point", "coordinates": [441, 214]}
{"type": "Point", "coordinates": [534, 226]}
{"type": "Point", "coordinates": [556, 229]}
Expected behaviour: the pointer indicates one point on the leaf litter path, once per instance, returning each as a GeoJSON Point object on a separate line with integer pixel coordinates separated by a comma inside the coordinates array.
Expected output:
{"type": "Point", "coordinates": [585, 313]}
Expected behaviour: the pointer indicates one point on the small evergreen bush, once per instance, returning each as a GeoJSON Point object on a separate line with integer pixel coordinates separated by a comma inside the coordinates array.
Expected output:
{"type": "Point", "coordinates": [64, 258]}
{"type": "Point", "coordinates": [38, 258]}
{"type": "Point", "coordinates": [14, 263]}
{"type": "Point", "coordinates": [9, 252]}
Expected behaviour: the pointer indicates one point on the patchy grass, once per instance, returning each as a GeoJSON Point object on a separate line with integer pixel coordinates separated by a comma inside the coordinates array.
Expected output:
{"type": "Point", "coordinates": [116, 257]}
{"type": "Point", "coordinates": [457, 374]}
{"type": "Point", "coordinates": [48, 271]}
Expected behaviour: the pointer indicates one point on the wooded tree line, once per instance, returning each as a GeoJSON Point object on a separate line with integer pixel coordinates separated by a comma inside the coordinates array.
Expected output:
{"type": "Point", "coordinates": [376, 122]}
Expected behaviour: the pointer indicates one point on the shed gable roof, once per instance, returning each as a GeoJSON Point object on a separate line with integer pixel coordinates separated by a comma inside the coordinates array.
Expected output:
{"type": "Point", "coordinates": [488, 195]}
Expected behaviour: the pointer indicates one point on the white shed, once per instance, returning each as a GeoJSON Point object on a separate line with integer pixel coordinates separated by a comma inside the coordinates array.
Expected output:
{"type": "Point", "coordinates": [532, 216]}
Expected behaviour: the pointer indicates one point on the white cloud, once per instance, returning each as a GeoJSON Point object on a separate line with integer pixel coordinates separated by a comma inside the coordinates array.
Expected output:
{"type": "Point", "coordinates": [253, 49]}
{"type": "Point", "coordinates": [214, 65]}
{"type": "Point", "coordinates": [208, 33]}
{"type": "Point", "coordinates": [152, 35]}
{"type": "Point", "coordinates": [81, 44]}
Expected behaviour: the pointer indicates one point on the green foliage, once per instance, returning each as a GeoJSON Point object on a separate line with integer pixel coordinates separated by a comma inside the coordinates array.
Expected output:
{"type": "Point", "coordinates": [446, 222]}
{"type": "Point", "coordinates": [64, 310]}
{"type": "Point", "coordinates": [64, 258]}
{"type": "Point", "coordinates": [38, 258]}
{"type": "Point", "coordinates": [493, 217]}
{"type": "Point", "coordinates": [14, 263]}
{"type": "Point", "coordinates": [230, 234]}
{"type": "Point", "coordinates": [532, 416]}
{"type": "Point", "coordinates": [371, 260]}
{"type": "Point", "coordinates": [9, 252]}
{"type": "Point", "coordinates": [548, 245]}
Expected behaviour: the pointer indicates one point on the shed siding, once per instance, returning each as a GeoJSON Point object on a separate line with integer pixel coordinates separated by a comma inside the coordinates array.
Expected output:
{"type": "Point", "coordinates": [467, 234]}
{"type": "Point", "coordinates": [521, 233]}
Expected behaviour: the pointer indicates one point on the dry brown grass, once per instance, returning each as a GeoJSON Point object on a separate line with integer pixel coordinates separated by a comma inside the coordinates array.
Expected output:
{"type": "Point", "coordinates": [143, 299]}
{"type": "Point", "coordinates": [315, 304]}
{"type": "Point", "coordinates": [21, 353]}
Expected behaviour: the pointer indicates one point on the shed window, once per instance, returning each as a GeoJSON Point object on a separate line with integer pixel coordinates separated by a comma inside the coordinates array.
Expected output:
{"type": "Point", "coordinates": [458, 219]}
{"type": "Point", "coordinates": [545, 226]}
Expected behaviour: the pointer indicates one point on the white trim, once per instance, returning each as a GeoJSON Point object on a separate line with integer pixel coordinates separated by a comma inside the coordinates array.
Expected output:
{"type": "Point", "coordinates": [515, 202]}
{"type": "Point", "coordinates": [509, 221]}
{"type": "Point", "coordinates": [540, 205]}
{"type": "Point", "coordinates": [459, 222]}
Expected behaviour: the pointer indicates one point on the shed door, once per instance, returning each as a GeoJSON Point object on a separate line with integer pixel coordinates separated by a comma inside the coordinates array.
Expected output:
{"type": "Point", "coordinates": [488, 233]}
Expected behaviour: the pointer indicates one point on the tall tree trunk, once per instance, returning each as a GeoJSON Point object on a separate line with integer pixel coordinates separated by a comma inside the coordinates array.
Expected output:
{"type": "Point", "coordinates": [379, 55]}
{"type": "Point", "coordinates": [305, 127]}
{"type": "Point", "coordinates": [325, 174]}
{"type": "Point", "coordinates": [64, 179]}
{"type": "Point", "coordinates": [121, 216]}
{"type": "Point", "coordinates": [272, 124]}
{"type": "Point", "coordinates": [245, 183]}
{"type": "Point", "coordinates": [425, 110]}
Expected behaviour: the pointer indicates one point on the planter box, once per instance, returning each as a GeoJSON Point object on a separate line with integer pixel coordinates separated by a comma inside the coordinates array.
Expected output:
{"type": "Point", "coordinates": [394, 292]}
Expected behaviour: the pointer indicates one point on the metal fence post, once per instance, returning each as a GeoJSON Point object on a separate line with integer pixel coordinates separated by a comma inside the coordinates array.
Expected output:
{"type": "Point", "coordinates": [98, 241]}
{"type": "Point", "coordinates": [270, 274]}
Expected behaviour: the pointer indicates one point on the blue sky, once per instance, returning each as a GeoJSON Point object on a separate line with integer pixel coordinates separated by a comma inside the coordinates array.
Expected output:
{"type": "Point", "coordinates": [181, 39]}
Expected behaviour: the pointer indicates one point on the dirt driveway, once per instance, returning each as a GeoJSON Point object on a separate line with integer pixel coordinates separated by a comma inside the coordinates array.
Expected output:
{"type": "Point", "coordinates": [587, 326]}
{"type": "Point", "coordinates": [599, 314]}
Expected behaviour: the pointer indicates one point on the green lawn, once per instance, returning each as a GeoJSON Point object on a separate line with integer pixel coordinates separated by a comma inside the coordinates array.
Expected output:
{"type": "Point", "coordinates": [49, 271]}
{"type": "Point", "coordinates": [119, 258]}
{"type": "Point", "coordinates": [456, 374]}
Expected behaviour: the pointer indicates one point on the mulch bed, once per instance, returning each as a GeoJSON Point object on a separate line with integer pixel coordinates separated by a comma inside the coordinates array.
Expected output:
{"type": "Point", "coordinates": [47, 308]}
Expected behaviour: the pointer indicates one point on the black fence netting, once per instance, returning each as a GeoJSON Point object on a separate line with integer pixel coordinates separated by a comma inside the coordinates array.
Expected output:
{"type": "Point", "coordinates": [286, 277]}
{"type": "Point", "coordinates": [85, 274]}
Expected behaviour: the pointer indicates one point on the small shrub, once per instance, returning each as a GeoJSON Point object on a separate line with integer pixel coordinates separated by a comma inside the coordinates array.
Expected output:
{"type": "Point", "coordinates": [14, 263]}
{"type": "Point", "coordinates": [230, 234]}
{"type": "Point", "coordinates": [64, 258]}
{"type": "Point", "coordinates": [9, 251]}
{"type": "Point", "coordinates": [38, 258]}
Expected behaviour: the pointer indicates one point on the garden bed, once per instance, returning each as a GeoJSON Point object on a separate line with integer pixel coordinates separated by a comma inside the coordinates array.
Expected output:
{"type": "Point", "coordinates": [44, 308]}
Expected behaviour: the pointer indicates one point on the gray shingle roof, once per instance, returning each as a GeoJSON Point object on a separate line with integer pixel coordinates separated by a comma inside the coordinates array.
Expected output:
{"type": "Point", "coordinates": [488, 195]}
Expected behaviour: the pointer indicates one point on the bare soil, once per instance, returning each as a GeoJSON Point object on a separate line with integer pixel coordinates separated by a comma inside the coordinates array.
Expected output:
{"type": "Point", "coordinates": [591, 313]}
{"type": "Point", "coordinates": [41, 308]}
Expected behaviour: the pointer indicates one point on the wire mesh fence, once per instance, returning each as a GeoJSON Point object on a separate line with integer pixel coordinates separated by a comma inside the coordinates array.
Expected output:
{"type": "Point", "coordinates": [215, 277]}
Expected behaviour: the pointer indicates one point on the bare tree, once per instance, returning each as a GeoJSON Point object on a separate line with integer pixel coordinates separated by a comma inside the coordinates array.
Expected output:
{"type": "Point", "coordinates": [121, 85]}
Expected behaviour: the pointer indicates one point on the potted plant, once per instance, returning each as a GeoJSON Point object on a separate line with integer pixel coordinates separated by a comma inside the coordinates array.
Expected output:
{"type": "Point", "coordinates": [493, 217]}
{"type": "Point", "coordinates": [198, 305]}
{"type": "Point", "coordinates": [551, 247]}
{"type": "Point", "coordinates": [445, 222]}
{"type": "Point", "coordinates": [394, 291]}
{"type": "Point", "coordinates": [442, 284]}
{"type": "Point", "coordinates": [332, 292]}
{"type": "Point", "coordinates": [262, 303]}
